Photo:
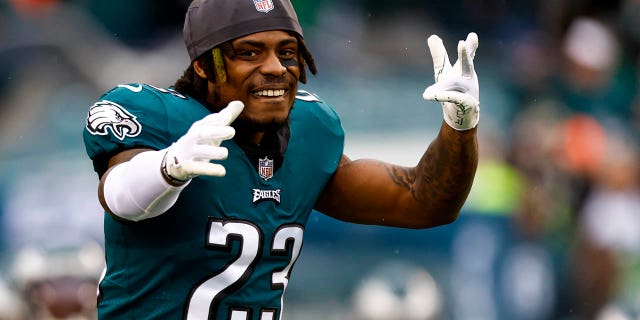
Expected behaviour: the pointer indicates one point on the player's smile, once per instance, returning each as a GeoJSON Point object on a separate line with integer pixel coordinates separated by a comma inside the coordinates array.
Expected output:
{"type": "Point", "coordinates": [269, 93]}
{"type": "Point", "coordinates": [271, 99]}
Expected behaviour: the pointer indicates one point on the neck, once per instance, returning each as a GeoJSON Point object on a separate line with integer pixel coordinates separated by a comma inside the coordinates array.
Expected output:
{"type": "Point", "coordinates": [256, 137]}
{"type": "Point", "coordinates": [249, 136]}
{"type": "Point", "coordinates": [253, 132]}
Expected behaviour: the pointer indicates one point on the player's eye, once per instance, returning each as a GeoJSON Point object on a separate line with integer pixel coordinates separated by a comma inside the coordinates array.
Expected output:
{"type": "Point", "coordinates": [288, 53]}
{"type": "Point", "coordinates": [247, 53]}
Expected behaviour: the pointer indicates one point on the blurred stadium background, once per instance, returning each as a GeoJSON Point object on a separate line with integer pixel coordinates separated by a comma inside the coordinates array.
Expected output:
{"type": "Point", "coordinates": [551, 229]}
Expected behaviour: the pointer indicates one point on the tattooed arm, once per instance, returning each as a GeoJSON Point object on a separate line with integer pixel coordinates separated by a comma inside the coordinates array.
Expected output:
{"type": "Point", "coordinates": [427, 195]}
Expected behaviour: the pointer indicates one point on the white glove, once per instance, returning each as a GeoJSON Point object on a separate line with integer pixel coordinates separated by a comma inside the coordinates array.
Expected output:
{"type": "Point", "coordinates": [456, 86]}
{"type": "Point", "coordinates": [190, 155]}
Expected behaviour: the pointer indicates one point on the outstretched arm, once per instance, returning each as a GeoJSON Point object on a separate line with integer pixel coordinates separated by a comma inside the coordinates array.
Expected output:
{"type": "Point", "coordinates": [143, 183]}
{"type": "Point", "coordinates": [433, 192]}
{"type": "Point", "coordinates": [427, 195]}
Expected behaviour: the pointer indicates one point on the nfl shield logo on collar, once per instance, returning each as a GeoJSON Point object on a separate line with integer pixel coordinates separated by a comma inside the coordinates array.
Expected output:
{"type": "Point", "coordinates": [265, 168]}
{"type": "Point", "coordinates": [263, 5]}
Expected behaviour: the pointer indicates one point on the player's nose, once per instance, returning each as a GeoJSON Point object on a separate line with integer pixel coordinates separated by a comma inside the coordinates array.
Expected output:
{"type": "Point", "coordinates": [272, 65]}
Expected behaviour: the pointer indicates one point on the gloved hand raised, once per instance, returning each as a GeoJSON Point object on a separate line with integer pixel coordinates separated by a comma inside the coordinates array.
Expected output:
{"type": "Point", "coordinates": [456, 86]}
{"type": "Point", "coordinates": [190, 156]}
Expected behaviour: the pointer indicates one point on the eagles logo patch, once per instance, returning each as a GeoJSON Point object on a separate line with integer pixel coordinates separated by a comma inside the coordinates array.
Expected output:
{"type": "Point", "coordinates": [266, 195]}
{"type": "Point", "coordinates": [105, 116]}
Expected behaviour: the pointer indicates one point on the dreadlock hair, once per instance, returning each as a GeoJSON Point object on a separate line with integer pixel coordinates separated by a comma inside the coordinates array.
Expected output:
{"type": "Point", "coordinates": [191, 84]}
{"type": "Point", "coordinates": [212, 62]}
{"type": "Point", "coordinates": [306, 58]}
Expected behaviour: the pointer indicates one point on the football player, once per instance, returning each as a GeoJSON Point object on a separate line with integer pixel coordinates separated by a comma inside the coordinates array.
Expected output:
{"type": "Point", "coordinates": [208, 184]}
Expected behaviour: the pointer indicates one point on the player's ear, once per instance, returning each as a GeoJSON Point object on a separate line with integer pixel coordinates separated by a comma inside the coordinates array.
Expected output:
{"type": "Point", "coordinates": [199, 69]}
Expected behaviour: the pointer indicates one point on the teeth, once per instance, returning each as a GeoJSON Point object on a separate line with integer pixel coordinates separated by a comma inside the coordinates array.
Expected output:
{"type": "Point", "coordinates": [271, 93]}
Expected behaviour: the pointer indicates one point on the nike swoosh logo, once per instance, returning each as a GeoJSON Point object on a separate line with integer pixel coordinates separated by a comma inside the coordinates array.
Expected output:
{"type": "Point", "coordinates": [135, 89]}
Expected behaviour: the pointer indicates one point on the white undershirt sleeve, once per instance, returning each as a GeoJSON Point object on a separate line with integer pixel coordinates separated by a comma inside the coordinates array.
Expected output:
{"type": "Point", "coordinates": [135, 190]}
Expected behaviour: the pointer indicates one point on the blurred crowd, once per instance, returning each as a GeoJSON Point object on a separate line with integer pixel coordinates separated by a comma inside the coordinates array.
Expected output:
{"type": "Point", "coordinates": [551, 229]}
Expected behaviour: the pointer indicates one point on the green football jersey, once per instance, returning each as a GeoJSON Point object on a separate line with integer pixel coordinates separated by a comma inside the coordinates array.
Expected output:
{"type": "Point", "coordinates": [225, 250]}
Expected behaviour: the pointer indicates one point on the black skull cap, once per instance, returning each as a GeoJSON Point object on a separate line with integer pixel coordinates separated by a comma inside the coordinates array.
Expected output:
{"type": "Point", "coordinates": [209, 23]}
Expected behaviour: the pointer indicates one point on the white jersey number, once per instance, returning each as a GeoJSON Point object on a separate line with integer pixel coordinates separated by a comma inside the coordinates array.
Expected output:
{"type": "Point", "coordinates": [207, 295]}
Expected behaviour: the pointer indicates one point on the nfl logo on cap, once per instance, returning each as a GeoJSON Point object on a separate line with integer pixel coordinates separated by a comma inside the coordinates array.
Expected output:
{"type": "Point", "coordinates": [265, 168]}
{"type": "Point", "coordinates": [263, 5]}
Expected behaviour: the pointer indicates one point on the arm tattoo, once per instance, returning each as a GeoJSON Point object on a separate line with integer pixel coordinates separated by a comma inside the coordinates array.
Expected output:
{"type": "Point", "coordinates": [403, 177]}
{"type": "Point", "coordinates": [431, 181]}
